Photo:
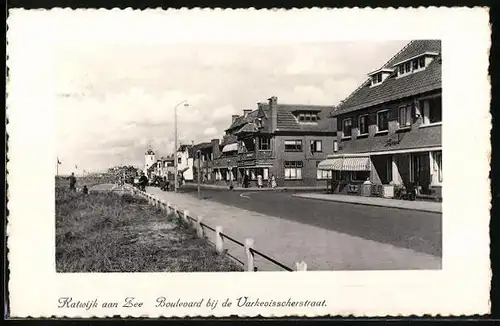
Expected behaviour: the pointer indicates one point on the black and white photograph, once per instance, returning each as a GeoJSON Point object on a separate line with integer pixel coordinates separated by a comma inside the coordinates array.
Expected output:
{"type": "Point", "coordinates": [309, 154]}
{"type": "Point", "coordinates": [204, 157]}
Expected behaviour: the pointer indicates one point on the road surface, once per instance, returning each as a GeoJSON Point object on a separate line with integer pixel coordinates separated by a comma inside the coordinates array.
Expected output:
{"type": "Point", "coordinates": [420, 231]}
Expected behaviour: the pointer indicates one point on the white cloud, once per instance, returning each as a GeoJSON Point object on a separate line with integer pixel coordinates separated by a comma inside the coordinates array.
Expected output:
{"type": "Point", "coordinates": [115, 99]}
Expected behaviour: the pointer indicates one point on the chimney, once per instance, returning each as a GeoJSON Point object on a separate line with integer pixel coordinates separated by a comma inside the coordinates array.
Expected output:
{"type": "Point", "coordinates": [246, 112]}
{"type": "Point", "coordinates": [234, 117]}
{"type": "Point", "coordinates": [273, 104]}
{"type": "Point", "coordinates": [215, 148]}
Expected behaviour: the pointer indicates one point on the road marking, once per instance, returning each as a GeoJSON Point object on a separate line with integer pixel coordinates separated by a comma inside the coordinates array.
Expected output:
{"type": "Point", "coordinates": [243, 195]}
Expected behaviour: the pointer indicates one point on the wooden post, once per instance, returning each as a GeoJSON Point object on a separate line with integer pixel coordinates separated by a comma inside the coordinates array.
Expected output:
{"type": "Point", "coordinates": [301, 267]}
{"type": "Point", "coordinates": [219, 241]}
{"type": "Point", "coordinates": [199, 228]}
{"type": "Point", "coordinates": [185, 216]}
{"type": "Point", "coordinates": [250, 258]}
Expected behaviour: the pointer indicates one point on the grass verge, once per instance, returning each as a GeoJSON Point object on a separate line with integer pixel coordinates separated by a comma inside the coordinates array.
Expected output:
{"type": "Point", "coordinates": [108, 232]}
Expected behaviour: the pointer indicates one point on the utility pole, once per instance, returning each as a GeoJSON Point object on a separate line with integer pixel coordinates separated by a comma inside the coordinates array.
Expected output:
{"type": "Point", "coordinates": [175, 143]}
{"type": "Point", "coordinates": [198, 152]}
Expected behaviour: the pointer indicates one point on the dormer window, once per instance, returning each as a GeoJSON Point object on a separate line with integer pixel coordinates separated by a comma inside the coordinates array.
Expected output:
{"type": "Point", "coordinates": [415, 64]}
{"type": "Point", "coordinates": [378, 76]}
{"type": "Point", "coordinates": [307, 117]}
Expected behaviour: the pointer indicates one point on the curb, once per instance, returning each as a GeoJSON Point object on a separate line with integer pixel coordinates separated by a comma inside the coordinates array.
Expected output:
{"type": "Point", "coordinates": [368, 204]}
{"type": "Point", "coordinates": [279, 189]}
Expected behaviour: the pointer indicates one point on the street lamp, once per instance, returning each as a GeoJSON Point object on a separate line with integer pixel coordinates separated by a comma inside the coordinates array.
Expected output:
{"type": "Point", "coordinates": [175, 141]}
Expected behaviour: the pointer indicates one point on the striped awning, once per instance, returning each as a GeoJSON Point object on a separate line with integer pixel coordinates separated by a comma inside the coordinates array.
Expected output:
{"type": "Point", "coordinates": [331, 164]}
{"type": "Point", "coordinates": [346, 164]}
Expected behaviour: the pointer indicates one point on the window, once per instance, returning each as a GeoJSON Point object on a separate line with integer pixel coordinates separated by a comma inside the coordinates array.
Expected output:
{"type": "Point", "coordinates": [347, 127]}
{"type": "Point", "coordinates": [316, 146]}
{"type": "Point", "coordinates": [293, 170]}
{"type": "Point", "coordinates": [382, 120]}
{"type": "Point", "coordinates": [414, 64]}
{"type": "Point", "coordinates": [308, 117]}
{"type": "Point", "coordinates": [421, 62]}
{"type": "Point", "coordinates": [179, 160]}
{"type": "Point", "coordinates": [293, 145]}
{"type": "Point", "coordinates": [404, 117]}
{"type": "Point", "coordinates": [432, 111]}
{"type": "Point", "coordinates": [322, 174]}
{"type": "Point", "coordinates": [360, 175]}
{"type": "Point", "coordinates": [363, 125]}
{"type": "Point", "coordinates": [264, 143]}
{"type": "Point", "coordinates": [401, 69]}
{"type": "Point", "coordinates": [407, 67]}
{"type": "Point", "coordinates": [377, 78]}
{"type": "Point", "coordinates": [438, 165]}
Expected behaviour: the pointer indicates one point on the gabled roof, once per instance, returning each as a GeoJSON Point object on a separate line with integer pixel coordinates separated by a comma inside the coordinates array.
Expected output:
{"type": "Point", "coordinates": [202, 146]}
{"type": "Point", "coordinates": [262, 112]}
{"type": "Point", "coordinates": [397, 88]}
{"type": "Point", "coordinates": [287, 120]}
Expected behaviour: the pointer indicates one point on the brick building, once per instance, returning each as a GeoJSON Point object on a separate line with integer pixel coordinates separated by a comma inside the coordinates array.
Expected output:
{"type": "Point", "coordinates": [281, 140]}
{"type": "Point", "coordinates": [389, 129]}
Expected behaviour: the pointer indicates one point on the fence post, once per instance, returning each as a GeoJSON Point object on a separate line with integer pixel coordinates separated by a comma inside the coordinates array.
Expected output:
{"type": "Point", "coordinates": [250, 258]}
{"type": "Point", "coordinates": [199, 228]}
{"type": "Point", "coordinates": [219, 241]}
{"type": "Point", "coordinates": [185, 216]}
{"type": "Point", "coordinates": [301, 267]}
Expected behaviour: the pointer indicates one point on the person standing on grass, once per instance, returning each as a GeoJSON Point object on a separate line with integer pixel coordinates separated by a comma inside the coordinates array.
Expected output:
{"type": "Point", "coordinates": [72, 182]}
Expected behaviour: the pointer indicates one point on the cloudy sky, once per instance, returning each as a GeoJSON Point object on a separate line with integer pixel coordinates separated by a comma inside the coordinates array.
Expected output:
{"type": "Point", "coordinates": [114, 98]}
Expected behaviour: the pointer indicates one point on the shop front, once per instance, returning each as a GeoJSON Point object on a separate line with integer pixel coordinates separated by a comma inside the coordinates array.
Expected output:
{"type": "Point", "coordinates": [350, 174]}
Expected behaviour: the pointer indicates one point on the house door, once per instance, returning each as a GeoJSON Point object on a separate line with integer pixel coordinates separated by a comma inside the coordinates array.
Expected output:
{"type": "Point", "coordinates": [421, 173]}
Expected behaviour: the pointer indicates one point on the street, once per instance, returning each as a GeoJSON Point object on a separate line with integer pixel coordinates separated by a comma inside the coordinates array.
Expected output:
{"type": "Point", "coordinates": [419, 231]}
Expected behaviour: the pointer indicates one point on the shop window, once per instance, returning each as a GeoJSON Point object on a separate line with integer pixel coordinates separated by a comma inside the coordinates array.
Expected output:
{"type": "Point", "coordinates": [404, 117]}
{"type": "Point", "coordinates": [383, 120]}
{"type": "Point", "coordinates": [363, 125]}
{"type": "Point", "coordinates": [347, 127]}
{"type": "Point", "coordinates": [264, 143]}
{"type": "Point", "coordinates": [293, 170]}
{"type": "Point", "coordinates": [316, 146]}
{"type": "Point", "coordinates": [293, 145]}
{"type": "Point", "coordinates": [322, 174]}
{"type": "Point", "coordinates": [360, 175]}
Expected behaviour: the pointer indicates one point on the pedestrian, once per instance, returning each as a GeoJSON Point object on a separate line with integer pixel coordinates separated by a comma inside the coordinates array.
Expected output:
{"type": "Point", "coordinates": [259, 181]}
{"type": "Point", "coordinates": [85, 190]}
{"type": "Point", "coordinates": [273, 181]}
{"type": "Point", "coordinates": [245, 181]}
{"type": "Point", "coordinates": [72, 182]}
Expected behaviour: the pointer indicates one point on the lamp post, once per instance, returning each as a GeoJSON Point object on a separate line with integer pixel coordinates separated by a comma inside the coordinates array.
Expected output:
{"type": "Point", "coordinates": [198, 153]}
{"type": "Point", "coordinates": [175, 142]}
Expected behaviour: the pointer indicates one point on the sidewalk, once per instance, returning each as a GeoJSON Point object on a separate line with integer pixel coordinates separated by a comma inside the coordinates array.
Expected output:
{"type": "Point", "coordinates": [226, 187]}
{"type": "Point", "coordinates": [425, 206]}
{"type": "Point", "coordinates": [290, 242]}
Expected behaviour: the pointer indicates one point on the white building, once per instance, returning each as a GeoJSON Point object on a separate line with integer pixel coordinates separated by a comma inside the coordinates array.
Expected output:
{"type": "Point", "coordinates": [185, 161]}
{"type": "Point", "coordinates": [149, 160]}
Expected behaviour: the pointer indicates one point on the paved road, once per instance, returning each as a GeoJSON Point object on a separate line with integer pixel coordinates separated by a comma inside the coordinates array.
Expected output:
{"type": "Point", "coordinates": [420, 231]}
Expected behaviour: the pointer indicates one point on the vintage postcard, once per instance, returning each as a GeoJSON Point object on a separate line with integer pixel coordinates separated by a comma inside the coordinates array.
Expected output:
{"type": "Point", "coordinates": [312, 162]}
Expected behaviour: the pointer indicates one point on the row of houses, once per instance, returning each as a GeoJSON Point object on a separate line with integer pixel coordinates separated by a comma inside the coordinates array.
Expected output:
{"type": "Point", "coordinates": [387, 132]}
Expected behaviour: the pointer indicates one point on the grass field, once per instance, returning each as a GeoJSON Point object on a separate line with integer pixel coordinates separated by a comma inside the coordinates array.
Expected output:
{"type": "Point", "coordinates": [108, 232]}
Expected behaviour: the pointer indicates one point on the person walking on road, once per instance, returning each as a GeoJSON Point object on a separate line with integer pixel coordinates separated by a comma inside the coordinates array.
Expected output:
{"type": "Point", "coordinates": [259, 181]}
{"type": "Point", "coordinates": [273, 181]}
{"type": "Point", "coordinates": [72, 182]}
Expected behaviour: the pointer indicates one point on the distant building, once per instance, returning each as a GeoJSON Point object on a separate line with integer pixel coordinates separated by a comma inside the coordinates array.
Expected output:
{"type": "Point", "coordinates": [149, 160]}
{"type": "Point", "coordinates": [185, 161]}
